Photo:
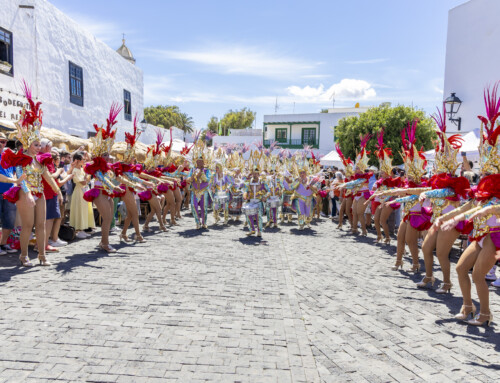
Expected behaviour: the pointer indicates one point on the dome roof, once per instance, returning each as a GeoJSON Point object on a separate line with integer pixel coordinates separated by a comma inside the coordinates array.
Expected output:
{"type": "Point", "coordinates": [125, 53]}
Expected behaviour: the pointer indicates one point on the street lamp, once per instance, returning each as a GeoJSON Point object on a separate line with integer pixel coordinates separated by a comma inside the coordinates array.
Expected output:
{"type": "Point", "coordinates": [144, 124]}
{"type": "Point", "coordinates": [452, 105]}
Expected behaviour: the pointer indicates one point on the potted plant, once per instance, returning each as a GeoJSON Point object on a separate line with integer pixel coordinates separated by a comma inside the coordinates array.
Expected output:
{"type": "Point", "coordinates": [5, 66]}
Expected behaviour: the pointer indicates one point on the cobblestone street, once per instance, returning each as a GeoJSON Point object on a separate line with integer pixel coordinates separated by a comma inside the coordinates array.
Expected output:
{"type": "Point", "coordinates": [192, 306]}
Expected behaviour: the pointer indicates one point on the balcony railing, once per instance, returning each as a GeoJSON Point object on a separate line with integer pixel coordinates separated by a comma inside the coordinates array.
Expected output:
{"type": "Point", "coordinates": [294, 144]}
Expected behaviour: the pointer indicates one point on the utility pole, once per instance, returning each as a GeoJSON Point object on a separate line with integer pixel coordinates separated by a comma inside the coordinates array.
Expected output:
{"type": "Point", "coordinates": [276, 106]}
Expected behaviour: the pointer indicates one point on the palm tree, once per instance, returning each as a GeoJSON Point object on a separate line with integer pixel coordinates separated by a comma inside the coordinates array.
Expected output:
{"type": "Point", "coordinates": [185, 123]}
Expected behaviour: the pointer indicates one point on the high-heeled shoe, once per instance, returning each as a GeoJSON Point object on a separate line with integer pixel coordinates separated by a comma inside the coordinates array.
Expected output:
{"type": "Point", "coordinates": [25, 261]}
{"type": "Point", "coordinates": [387, 241]}
{"type": "Point", "coordinates": [107, 248]}
{"type": "Point", "coordinates": [397, 266]}
{"type": "Point", "coordinates": [163, 228]}
{"type": "Point", "coordinates": [427, 282]}
{"type": "Point", "coordinates": [465, 311]}
{"type": "Point", "coordinates": [445, 288]}
{"type": "Point", "coordinates": [124, 238]}
{"type": "Point", "coordinates": [146, 228]}
{"type": "Point", "coordinates": [477, 322]}
{"type": "Point", "coordinates": [250, 233]}
{"type": "Point", "coordinates": [379, 239]}
{"type": "Point", "coordinates": [140, 239]}
{"type": "Point", "coordinates": [415, 269]}
{"type": "Point", "coordinates": [43, 261]}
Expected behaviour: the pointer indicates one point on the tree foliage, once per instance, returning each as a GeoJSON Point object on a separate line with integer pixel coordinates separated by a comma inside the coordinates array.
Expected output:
{"type": "Point", "coordinates": [166, 116]}
{"type": "Point", "coordinates": [394, 120]}
{"type": "Point", "coordinates": [234, 119]}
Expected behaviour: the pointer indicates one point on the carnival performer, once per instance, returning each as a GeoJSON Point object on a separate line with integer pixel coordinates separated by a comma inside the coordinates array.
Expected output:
{"type": "Point", "coordinates": [105, 188]}
{"type": "Point", "coordinates": [484, 250]}
{"type": "Point", "coordinates": [255, 192]}
{"type": "Point", "coordinates": [446, 194]}
{"type": "Point", "coordinates": [235, 192]}
{"type": "Point", "coordinates": [415, 217]}
{"type": "Point", "coordinates": [159, 185]}
{"type": "Point", "coordinates": [126, 174]}
{"type": "Point", "coordinates": [219, 185]}
{"type": "Point", "coordinates": [347, 197]}
{"type": "Point", "coordinates": [273, 188]}
{"type": "Point", "coordinates": [29, 197]}
{"type": "Point", "coordinates": [199, 180]}
{"type": "Point", "coordinates": [382, 212]}
{"type": "Point", "coordinates": [304, 190]}
{"type": "Point", "coordinates": [359, 187]}
{"type": "Point", "coordinates": [287, 202]}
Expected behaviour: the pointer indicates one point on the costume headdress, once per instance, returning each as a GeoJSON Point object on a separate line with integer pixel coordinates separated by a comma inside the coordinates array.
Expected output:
{"type": "Point", "coordinates": [384, 154]}
{"type": "Point", "coordinates": [167, 149]}
{"type": "Point", "coordinates": [105, 137]}
{"type": "Point", "coordinates": [414, 160]}
{"type": "Point", "coordinates": [28, 127]}
{"type": "Point", "coordinates": [186, 149]}
{"type": "Point", "coordinates": [254, 162]}
{"type": "Point", "coordinates": [347, 162]}
{"type": "Point", "coordinates": [446, 147]}
{"type": "Point", "coordinates": [131, 140]}
{"type": "Point", "coordinates": [362, 157]}
{"type": "Point", "coordinates": [153, 154]}
{"type": "Point", "coordinates": [490, 147]}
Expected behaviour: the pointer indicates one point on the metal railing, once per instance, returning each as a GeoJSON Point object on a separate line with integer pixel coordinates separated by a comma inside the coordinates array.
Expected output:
{"type": "Point", "coordinates": [294, 144]}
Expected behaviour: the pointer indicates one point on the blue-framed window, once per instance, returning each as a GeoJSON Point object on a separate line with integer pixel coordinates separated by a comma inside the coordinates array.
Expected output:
{"type": "Point", "coordinates": [75, 84]}
{"type": "Point", "coordinates": [6, 52]}
{"type": "Point", "coordinates": [127, 105]}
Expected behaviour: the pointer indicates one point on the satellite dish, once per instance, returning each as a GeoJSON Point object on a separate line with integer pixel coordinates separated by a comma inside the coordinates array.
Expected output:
{"type": "Point", "coordinates": [357, 105]}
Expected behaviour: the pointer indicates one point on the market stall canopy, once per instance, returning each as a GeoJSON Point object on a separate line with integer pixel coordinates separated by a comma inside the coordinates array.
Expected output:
{"type": "Point", "coordinates": [331, 159]}
{"type": "Point", "coordinates": [470, 146]}
{"type": "Point", "coordinates": [7, 125]}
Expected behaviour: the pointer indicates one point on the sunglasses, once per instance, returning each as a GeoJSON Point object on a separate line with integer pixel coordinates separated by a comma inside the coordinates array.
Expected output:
{"type": "Point", "coordinates": [3, 141]}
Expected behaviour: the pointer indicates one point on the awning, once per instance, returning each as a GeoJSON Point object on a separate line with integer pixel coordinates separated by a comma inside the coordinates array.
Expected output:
{"type": "Point", "coordinates": [332, 159]}
{"type": "Point", "coordinates": [7, 125]}
{"type": "Point", "coordinates": [470, 146]}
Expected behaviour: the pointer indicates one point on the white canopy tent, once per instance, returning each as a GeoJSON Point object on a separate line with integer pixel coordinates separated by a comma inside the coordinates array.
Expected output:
{"type": "Point", "coordinates": [470, 146]}
{"type": "Point", "coordinates": [332, 159]}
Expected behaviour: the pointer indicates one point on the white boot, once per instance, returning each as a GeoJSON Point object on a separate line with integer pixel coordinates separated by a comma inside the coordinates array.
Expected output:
{"type": "Point", "coordinates": [491, 276]}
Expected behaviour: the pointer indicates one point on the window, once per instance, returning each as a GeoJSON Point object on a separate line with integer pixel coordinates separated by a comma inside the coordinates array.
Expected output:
{"type": "Point", "coordinates": [91, 134]}
{"type": "Point", "coordinates": [280, 135]}
{"type": "Point", "coordinates": [6, 56]}
{"type": "Point", "coordinates": [309, 136]}
{"type": "Point", "coordinates": [75, 84]}
{"type": "Point", "coordinates": [127, 105]}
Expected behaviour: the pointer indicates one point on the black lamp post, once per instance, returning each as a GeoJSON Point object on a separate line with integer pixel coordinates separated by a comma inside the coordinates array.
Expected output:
{"type": "Point", "coordinates": [144, 124]}
{"type": "Point", "coordinates": [452, 105]}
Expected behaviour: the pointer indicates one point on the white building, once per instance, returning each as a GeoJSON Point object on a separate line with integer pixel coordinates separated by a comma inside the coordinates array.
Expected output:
{"type": "Point", "coordinates": [76, 76]}
{"type": "Point", "coordinates": [472, 57]}
{"type": "Point", "coordinates": [239, 137]}
{"type": "Point", "coordinates": [293, 131]}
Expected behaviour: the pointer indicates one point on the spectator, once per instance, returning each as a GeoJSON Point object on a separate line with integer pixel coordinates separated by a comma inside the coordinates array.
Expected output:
{"type": "Point", "coordinates": [7, 209]}
{"type": "Point", "coordinates": [81, 214]}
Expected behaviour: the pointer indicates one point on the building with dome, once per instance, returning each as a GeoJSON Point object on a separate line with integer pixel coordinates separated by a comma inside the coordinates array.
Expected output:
{"type": "Point", "coordinates": [76, 76]}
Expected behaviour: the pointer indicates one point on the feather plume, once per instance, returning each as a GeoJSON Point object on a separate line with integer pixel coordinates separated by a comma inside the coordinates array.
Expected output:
{"type": "Point", "coordinates": [492, 104]}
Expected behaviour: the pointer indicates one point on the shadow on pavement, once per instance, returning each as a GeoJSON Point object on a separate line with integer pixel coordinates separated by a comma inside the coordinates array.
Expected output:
{"type": "Point", "coordinates": [192, 233]}
{"type": "Point", "coordinates": [305, 232]}
{"type": "Point", "coordinates": [11, 266]}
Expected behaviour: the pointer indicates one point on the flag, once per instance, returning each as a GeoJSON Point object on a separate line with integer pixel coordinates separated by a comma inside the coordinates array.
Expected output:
{"type": "Point", "coordinates": [220, 129]}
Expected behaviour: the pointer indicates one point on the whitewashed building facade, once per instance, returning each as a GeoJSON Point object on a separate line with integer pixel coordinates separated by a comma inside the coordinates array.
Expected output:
{"type": "Point", "coordinates": [75, 75]}
{"type": "Point", "coordinates": [293, 131]}
{"type": "Point", "coordinates": [472, 57]}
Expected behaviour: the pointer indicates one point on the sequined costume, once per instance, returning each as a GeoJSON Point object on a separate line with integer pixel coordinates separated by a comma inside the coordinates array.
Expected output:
{"type": "Point", "coordinates": [219, 186]}
{"type": "Point", "coordinates": [255, 192]}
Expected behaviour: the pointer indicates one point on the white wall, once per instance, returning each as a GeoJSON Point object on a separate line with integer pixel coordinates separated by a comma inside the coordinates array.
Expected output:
{"type": "Point", "coordinates": [249, 140]}
{"type": "Point", "coordinates": [472, 56]}
{"type": "Point", "coordinates": [44, 41]}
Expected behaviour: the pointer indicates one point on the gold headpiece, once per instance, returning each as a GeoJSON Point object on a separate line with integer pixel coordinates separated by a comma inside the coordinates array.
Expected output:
{"type": "Point", "coordinates": [105, 137]}
{"type": "Point", "coordinates": [414, 160]}
{"type": "Point", "coordinates": [384, 154]}
{"type": "Point", "coordinates": [347, 162]}
{"type": "Point", "coordinates": [28, 127]}
{"type": "Point", "coordinates": [153, 154]}
{"type": "Point", "coordinates": [362, 157]}
{"type": "Point", "coordinates": [490, 131]}
{"type": "Point", "coordinates": [131, 140]}
{"type": "Point", "coordinates": [446, 147]}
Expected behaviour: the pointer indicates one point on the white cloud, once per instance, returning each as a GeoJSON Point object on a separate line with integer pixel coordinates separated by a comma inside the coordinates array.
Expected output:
{"type": "Point", "coordinates": [346, 89]}
{"type": "Point", "coordinates": [369, 61]}
{"type": "Point", "coordinates": [106, 31]}
{"type": "Point", "coordinates": [234, 59]}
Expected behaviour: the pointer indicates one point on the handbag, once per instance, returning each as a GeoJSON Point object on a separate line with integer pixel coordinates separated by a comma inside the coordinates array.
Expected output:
{"type": "Point", "coordinates": [67, 233]}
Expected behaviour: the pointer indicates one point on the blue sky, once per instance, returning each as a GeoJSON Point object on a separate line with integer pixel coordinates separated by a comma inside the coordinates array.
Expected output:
{"type": "Point", "coordinates": [209, 57]}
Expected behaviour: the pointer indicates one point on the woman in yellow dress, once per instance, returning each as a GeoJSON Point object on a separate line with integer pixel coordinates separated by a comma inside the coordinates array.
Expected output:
{"type": "Point", "coordinates": [81, 215]}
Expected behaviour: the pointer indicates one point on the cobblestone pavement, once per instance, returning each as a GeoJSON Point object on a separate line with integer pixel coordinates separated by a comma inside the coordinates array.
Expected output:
{"type": "Point", "coordinates": [217, 306]}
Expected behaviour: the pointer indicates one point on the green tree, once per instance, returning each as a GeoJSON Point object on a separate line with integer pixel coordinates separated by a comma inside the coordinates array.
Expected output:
{"type": "Point", "coordinates": [185, 123]}
{"type": "Point", "coordinates": [166, 116]}
{"type": "Point", "coordinates": [213, 124]}
{"type": "Point", "coordinates": [394, 120]}
{"type": "Point", "coordinates": [237, 119]}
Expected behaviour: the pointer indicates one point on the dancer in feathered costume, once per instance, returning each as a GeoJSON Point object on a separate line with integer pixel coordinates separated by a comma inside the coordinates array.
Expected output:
{"type": "Point", "coordinates": [159, 185]}
{"type": "Point", "coordinates": [126, 172]}
{"type": "Point", "coordinates": [484, 249]}
{"type": "Point", "coordinates": [30, 171]}
{"type": "Point", "coordinates": [199, 180]}
{"type": "Point", "coordinates": [254, 194]}
{"type": "Point", "coordinates": [219, 185]}
{"type": "Point", "coordinates": [381, 209]}
{"type": "Point", "coordinates": [447, 192]}
{"type": "Point", "coordinates": [286, 181]}
{"type": "Point", "coordinates": [347, 197]}
{"type": "Point", "coordinates": [415, 217]}
{"type": "Point", "coordinates": [273, 188]}
{"type": "Point", "coordinates": [105, 186]}
{"type": "Point", "coordinates": [359, 187]}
